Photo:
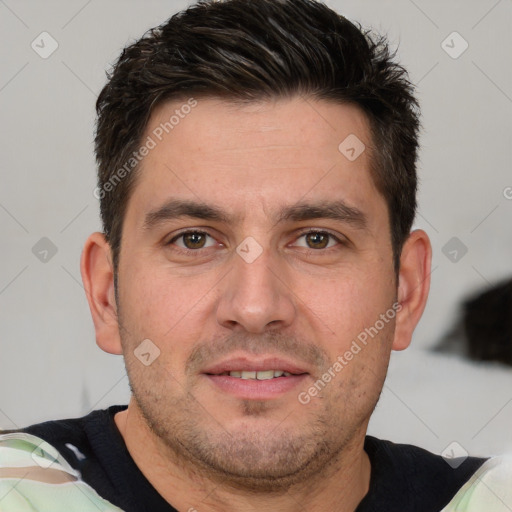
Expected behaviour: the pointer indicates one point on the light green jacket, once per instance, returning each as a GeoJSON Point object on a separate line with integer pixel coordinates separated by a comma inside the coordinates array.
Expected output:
{"type": "Point", "coordinates": [34, 477]}
{"type": "Point", "coordinates": [488, 490]}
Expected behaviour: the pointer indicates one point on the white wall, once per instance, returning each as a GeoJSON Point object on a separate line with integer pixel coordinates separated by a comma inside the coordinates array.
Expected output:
{"type": "Point", "coordinates": [50, 366]}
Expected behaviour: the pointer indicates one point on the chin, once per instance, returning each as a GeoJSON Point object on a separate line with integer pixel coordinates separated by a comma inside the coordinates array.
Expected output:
{"type": "Point", "coordinates": [257, 457]}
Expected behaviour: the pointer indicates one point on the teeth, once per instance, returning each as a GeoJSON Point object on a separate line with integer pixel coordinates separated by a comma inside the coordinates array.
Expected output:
{"type": "Point", "coordinates": [262, 375]}
{"type": "Point", "coordinates": [267, 374]}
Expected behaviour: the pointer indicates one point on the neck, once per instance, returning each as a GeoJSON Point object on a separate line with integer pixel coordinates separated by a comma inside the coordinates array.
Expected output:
{"type": "Point", "coordinates": [340, 487]}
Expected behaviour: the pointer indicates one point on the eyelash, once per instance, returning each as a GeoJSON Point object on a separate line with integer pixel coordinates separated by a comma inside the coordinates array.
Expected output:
{"type": "Point", "coordinates": [301, 234]}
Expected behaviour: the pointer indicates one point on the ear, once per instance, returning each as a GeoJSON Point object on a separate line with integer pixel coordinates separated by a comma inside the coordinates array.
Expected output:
{"type": "Point", "coordinates": [413, 286]}
{"type": "Point", "coordinates": [98, 278]}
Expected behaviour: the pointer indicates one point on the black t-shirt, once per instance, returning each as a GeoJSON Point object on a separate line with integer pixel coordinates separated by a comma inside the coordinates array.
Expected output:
{"type": "Point", "coordinates": [404, 478]}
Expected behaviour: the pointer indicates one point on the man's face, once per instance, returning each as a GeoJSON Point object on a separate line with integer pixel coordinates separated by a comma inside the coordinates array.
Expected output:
{"type": "Point", "coordinates": [279, 279]}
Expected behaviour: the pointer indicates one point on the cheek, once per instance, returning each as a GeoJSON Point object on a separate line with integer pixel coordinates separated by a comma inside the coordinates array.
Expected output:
{"type": "Point", "coordinates": [153, 291]}
{"type": "Point", "coordinates": [168, 310]}
{"type": "Point", "coordinates": [147, 298]}
{"type": "Point", "coordinates": [149, 304]}
{"type": "Point", "coordinates": [346, 303]}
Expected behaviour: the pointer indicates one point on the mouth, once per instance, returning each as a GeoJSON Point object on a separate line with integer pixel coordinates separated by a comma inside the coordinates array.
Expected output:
{"type": "Point", "coordinates": [251, 379]}
{"type": "Point", "coordinates": [258, 375]}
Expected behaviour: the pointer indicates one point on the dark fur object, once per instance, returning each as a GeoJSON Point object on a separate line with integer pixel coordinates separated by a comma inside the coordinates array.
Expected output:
{"type": "Point", "coordinates": [484, 331]}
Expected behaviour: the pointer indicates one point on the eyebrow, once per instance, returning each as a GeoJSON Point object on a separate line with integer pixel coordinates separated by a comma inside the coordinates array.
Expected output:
{"type": "Point", "coordinates": [335, 210]}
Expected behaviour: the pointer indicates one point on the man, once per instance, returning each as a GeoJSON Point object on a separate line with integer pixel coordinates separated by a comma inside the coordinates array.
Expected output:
{"type": "Point", "coordinates": [257, 189]}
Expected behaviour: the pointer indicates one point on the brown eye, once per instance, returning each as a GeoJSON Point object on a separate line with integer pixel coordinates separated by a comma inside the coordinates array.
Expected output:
{"type": "Point", "coordinates": [193, 240]}
{"type": "Point", "coordinates": [317, 240]}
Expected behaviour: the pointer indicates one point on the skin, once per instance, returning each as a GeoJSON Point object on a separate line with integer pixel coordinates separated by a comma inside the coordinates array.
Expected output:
{"type": "Point", "coordinates": [305, 298]}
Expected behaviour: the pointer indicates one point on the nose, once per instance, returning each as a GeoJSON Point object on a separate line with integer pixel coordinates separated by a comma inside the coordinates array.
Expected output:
{"type": "Point", "coordinates": [255, 296]}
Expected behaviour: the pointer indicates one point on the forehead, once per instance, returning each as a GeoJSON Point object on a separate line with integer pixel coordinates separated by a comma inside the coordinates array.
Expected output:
{"type": "Point", "coordinates": [256, 157]}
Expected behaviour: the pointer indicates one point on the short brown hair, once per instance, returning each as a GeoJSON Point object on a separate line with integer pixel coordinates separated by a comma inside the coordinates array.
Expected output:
{"type": "Point", "coordinates": [252, 50]}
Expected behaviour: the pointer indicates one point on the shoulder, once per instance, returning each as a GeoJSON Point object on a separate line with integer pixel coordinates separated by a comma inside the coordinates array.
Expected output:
{"type": "Point", "coordinates": [411, 455]}
{"type": "Point", "coordinates": [34, 475]}
{"type": "Point", "coordinates": [70, 436]}
{"type": "Point", "coordinates": [426, 481]}
{"type": "Point", "coordinates": [489, 488]}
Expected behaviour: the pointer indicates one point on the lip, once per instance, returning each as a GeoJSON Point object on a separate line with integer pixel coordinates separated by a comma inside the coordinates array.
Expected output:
{"type": "Point", "coordinates": [241, 363]}
{"type": "Point", "coordinates": [253, 389]}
